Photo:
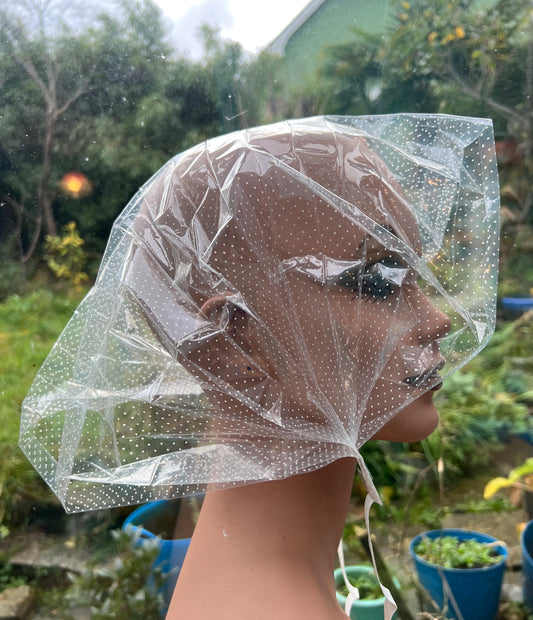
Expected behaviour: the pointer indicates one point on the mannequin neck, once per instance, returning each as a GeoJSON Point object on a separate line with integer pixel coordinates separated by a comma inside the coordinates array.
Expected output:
{"type": "Point", "coordinates": [271, 545]}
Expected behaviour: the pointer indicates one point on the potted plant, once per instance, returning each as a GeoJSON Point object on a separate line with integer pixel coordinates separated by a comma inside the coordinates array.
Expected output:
{"type": "Point", "coordinates": [371, 602]}
{"type": "Point", "coordinates": [171, 523]}
{"type": "Point", "coordinates": [462, 570]}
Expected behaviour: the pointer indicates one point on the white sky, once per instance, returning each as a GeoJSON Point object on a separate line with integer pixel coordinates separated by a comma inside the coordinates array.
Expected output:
{"type": "Point", "coordinates": [253, 23]}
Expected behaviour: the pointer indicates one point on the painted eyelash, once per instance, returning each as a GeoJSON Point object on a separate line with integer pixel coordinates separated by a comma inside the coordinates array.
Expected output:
{"type": "Point", "coordinates": [370, 283]}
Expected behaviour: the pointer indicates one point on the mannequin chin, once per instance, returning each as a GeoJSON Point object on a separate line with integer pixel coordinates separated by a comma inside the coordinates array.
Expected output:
{"type": "Point", "coordinates": [413, 423]}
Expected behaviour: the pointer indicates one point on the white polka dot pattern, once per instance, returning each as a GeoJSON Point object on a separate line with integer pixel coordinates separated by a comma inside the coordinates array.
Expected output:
{"type": "Point", "coordinates": [268, 302]}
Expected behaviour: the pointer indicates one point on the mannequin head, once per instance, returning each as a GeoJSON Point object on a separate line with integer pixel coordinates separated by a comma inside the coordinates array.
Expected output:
{"type": "Point", "coordinates": [268, 302]}
{"type": "Point", "coordinates": [306, 319]}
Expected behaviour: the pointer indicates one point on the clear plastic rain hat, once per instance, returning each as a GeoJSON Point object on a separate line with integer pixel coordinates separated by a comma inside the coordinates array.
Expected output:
{"type": "Point", "coordinates": [268, 301]}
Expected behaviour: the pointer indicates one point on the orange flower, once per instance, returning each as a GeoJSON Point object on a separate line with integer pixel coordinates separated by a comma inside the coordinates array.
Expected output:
{"type": "Point", "coordinates": [460, 32]}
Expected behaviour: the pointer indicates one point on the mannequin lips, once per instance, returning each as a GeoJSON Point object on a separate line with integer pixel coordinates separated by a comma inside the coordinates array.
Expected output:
{"type": "Point", "coordinates": [428, 377]}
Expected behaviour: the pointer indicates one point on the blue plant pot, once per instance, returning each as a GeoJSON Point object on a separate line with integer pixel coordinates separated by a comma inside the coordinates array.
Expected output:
{"type": "Point", "coordinates": [157, 519]}
{"type": "Point", "coordinates": [371, 609]}
{"type": "Point", "coordinates": [516, 306]}
{"type": "Point", "coordinates": [476, 590]}
{"type": "Point", "coordinates": [526, 541]}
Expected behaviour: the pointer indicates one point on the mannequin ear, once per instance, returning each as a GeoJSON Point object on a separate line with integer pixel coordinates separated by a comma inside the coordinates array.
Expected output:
{"type": "Point", "coordinates": [232, 319]}
{"type": "Point", "coordinates": [231, 352]}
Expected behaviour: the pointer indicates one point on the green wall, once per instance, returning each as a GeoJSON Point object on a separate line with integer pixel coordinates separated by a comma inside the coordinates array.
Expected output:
{"type": "Point", "coordinates": [332, 23]}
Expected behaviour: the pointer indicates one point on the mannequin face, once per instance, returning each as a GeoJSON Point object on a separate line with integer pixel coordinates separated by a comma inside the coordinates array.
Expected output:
{"type": "Point", "coordinates": [373, 335]}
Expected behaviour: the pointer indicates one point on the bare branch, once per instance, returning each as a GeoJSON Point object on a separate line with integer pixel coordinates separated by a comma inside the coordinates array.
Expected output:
{"type": "Point", "coordinates": [30, 69]}
{"type": "Point", "coordinates": [21, 212]}
{"type": "Point", "coordinates": [476, 94]}
{"type": "Point", "coordinates": [80, 92]}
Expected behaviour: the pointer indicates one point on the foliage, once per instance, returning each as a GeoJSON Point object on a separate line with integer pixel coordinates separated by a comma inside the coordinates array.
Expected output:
{"type": "Point", "coordinates": [473, 417]}
{"type": "Point", "coordinates": [239, 86]}
{"type": "Point", "coordinates": [48, 581]}
{"type": "Point", "coordinates": [514, 610]}
{"type": "Point", "coordinates": [394, 467]}
{"type": "Point", "coordinates": [12, 273]}
{"type": "Point", "coordinates": [515, 477]}
{"type": "Point", "coordinates": [356, 78]}
{"type": "Point", "coordinates": [367, 584]}
{"type": "Point", "coordinates": [59, 82]}
{"type": "Point", "coordinates": [516, 264]}
{"type": "Point", "coordinates": [456, 57]}
{"type": "Point", "coordinates": [28, 327]}
{"type": "Point", "coordinates": [506, 364]}
{"type": "Point", "coordinates": [7, 579]}
{"type": "Point", "coordinates": [473, 54]}
{"type": "Point", "coordinates": [120, 590]}
{"type": "Point", "coordinates": [450, 552]}
{"type": "Point", "coordinates": [106, 99]}
{"type": "Point", "coordinates": [66, 257]}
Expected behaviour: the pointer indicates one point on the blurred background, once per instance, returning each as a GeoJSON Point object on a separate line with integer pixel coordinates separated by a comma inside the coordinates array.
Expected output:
{"type": "Point", "coordinates": [95, 96]}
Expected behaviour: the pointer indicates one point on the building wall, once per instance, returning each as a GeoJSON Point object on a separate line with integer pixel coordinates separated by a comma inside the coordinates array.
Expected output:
{"type": "Point", "coordinates": [333, 22]}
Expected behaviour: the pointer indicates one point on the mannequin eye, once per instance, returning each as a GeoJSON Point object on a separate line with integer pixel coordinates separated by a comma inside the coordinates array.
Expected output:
{"type": "Point", "coordinates": [377, 281]}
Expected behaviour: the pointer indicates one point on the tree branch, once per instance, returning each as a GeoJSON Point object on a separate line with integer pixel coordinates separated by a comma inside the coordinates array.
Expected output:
{"type": "Point", "coordinates": [476, 94]}
{"type": "Point", "coordinates": [81, 91]}
{"type": "Point", "coordinates": [30, 69]}
{"type": "Point", "coordinates": [21, 211]}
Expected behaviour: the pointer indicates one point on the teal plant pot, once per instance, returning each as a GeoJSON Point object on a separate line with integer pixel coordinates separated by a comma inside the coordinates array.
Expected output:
{"type": "Point", "coordinates": [158, 519]}
{"type": "Point", "coordinates": [476, 591]}
{"type": "Point", "coordinates": [362, 609]}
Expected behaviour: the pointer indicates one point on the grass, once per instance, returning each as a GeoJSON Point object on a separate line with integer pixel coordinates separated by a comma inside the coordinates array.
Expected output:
{"type": "Point", "coordinates": [29, 326]}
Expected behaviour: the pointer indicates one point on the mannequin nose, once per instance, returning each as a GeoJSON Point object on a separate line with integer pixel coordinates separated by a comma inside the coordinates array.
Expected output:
{"type": "Point", "coordinates": [434, 323]}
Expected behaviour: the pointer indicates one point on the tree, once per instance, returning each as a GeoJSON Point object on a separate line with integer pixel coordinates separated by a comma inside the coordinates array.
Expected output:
{"type": "Point", "coordinates": [472, 58]}
{"type": "Point", "coordinates": [107, 100]}
{"type": "Point", "coordinates": [242, 85]}
{"type": "Point", "coordinates": [478, 57]}
{"type": "Point", "coordinates": [357, 81]}
{"type": "Point", "coordinates": [54, 81]}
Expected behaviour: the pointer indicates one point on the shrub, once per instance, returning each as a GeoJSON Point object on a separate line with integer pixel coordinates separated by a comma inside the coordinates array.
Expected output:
{"type": "Point", "coordinates": [120, 590]}
{"type": "Point", "coordinates": [66, 257]}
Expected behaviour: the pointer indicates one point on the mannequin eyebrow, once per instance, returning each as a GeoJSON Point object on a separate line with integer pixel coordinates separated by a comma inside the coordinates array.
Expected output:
{"type": "Point", "coordinates": [372, 251]}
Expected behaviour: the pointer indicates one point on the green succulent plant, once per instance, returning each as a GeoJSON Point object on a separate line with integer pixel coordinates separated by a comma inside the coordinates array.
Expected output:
{"type": "Point", "coordinates": [451, 552]}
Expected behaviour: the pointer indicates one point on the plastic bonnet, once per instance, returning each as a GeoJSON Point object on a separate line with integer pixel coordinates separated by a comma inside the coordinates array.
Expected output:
{"type": "Point", "coordinates": [266, 303]}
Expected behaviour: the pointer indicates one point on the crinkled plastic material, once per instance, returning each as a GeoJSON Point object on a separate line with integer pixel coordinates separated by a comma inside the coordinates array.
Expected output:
{"type": "Point", "coordinates": [267, 302]}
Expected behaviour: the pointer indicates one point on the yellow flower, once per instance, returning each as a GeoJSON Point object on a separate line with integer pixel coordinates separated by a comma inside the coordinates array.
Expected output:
{"type": "Point", "coordinates": [460, 32]}
{"type": "Point", "coordinates": [403, 16]}
{"type": "Point", "coordinates": [406, 5]}
{"type": "Point", "coordinates": [432, 36]}
{"type": "Point", "coordinates": [447, 39]}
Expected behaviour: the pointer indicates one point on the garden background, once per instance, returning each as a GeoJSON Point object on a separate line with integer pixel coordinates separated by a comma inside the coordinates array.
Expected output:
{"type": "Point", "coordinates": [91, 107]}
